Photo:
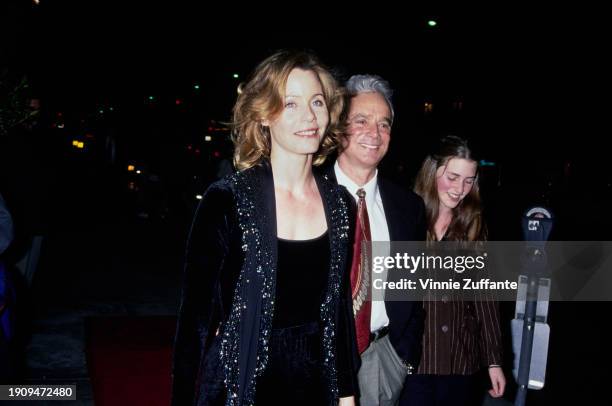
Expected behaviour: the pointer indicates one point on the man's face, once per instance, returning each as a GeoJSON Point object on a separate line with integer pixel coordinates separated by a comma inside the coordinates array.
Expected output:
{"type": "Point", "coordinates": [369, 131]}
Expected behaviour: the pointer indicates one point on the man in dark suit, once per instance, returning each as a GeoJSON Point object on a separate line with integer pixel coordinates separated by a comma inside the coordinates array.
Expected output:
{"type": "Point", "coordinates": [394, 215]}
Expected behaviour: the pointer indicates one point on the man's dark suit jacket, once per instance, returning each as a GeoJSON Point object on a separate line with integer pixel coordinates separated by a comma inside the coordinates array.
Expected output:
{"type": "Point", "coordinates": [406, 221]}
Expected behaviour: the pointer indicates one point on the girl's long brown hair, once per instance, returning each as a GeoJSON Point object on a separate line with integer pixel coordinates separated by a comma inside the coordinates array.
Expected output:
{"type": "Point", "coordinates": [467, 223]}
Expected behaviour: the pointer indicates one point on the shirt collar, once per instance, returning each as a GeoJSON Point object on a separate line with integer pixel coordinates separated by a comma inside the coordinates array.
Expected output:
{"type": "Point", "coordinates": [371, 188]}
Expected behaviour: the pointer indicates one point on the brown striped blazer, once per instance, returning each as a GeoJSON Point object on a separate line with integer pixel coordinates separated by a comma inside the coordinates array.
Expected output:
{"type": "Point", "coordinates": [460, 337]}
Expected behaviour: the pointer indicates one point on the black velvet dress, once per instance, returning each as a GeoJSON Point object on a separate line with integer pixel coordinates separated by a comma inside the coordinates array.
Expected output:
{"type": "Point", "coordinates": [237, 342]}
{"type": "Point", "coordinates": [294, 371]}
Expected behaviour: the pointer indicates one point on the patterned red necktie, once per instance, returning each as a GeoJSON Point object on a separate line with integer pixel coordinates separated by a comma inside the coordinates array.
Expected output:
{"type": "Point", "coordinates": [360, 274]}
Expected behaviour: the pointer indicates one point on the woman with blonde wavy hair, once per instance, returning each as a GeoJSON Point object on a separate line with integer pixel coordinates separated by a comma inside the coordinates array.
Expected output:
{"type": "Point", "coordinates": [266, 316]}
{"type": "Point", "coordinates": [460, 336]}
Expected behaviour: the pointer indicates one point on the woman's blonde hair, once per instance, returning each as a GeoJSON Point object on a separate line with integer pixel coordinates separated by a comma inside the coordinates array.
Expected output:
{"type": "Point", "coordinates": [262, 97]}
{"type": "Point", "coordinates": [467, 223]}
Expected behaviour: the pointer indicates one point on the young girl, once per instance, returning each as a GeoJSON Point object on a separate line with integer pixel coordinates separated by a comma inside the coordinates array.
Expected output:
{"type": "Point", "coordinates": [460, 336]}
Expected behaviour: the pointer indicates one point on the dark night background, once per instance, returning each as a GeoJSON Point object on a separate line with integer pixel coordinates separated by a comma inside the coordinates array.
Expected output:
{"type": "Point", "coordinates": [150, 81]}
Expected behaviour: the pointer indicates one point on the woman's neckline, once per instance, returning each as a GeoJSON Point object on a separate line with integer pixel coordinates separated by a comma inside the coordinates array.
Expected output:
{"type": "Point", "coordinates": [307, 240]}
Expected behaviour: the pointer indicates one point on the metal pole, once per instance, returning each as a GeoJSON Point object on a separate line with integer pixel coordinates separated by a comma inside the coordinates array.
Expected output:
{"type": "Point", "coordinates": [527, 340]}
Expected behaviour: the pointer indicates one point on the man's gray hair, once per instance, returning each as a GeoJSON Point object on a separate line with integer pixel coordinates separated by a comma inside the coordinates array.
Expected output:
{"type": "Point", "coordinates": [370, 84]}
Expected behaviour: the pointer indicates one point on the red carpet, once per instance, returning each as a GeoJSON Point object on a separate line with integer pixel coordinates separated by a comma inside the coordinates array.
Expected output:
{"type": "Point", "coordinates": [129, 359]}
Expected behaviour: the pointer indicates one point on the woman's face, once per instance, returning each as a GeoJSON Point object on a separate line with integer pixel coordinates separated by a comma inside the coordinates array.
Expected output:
{"type": "Point", "coordinates": [454, 181]}
{"type": "Point", "coordinates": [300, 126]}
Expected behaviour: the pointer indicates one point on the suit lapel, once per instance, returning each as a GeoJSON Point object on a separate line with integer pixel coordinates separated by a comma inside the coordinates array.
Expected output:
{"type": "Point", "coordinates": [392, 215]}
